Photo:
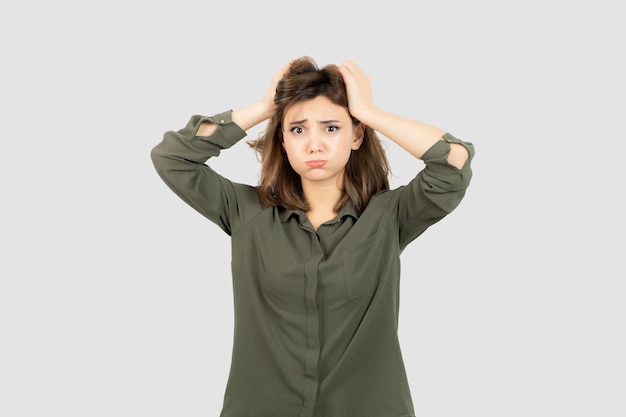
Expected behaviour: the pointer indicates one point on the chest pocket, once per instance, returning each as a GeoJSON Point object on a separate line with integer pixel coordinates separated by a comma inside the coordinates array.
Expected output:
{"type": "Point", "coordinates": [363, 266]}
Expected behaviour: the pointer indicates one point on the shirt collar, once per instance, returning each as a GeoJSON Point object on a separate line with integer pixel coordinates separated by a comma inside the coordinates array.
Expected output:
{"type": "Point", "coordinates": [347, 210]}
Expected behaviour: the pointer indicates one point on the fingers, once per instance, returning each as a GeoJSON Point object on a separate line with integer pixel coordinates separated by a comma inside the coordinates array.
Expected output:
{"type": "Point", "coordinates": [346, 68]}
{"type": "Point", "coordinates": [348, 63]}
{"type": "Point", "coordinates": [352, 72]}
{"type": "Point", "coordinates": [358, 87]}
{"type": "Point", "coordinates": [350, 66]}
{"type": "Point", "coordinates": [281, 72]}
{"type": "Point", "coordinates": [278, 75]}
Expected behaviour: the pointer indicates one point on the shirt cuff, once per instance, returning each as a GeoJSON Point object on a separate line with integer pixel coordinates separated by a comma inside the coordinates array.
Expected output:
{"type": "Point", "coordinates": [220, 119]}
{"type": "Point", "coordinates": [442, 148]}
{"type": "Point", "coordinates": [228, 132]}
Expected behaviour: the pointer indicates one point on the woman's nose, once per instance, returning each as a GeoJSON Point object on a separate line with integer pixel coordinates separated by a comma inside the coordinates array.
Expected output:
{"type": "Point", "coordinates": [315, 144]}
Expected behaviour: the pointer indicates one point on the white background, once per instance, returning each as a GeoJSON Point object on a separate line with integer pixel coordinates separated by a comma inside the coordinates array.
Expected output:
{"type": "Point", "coordinates": [115, 297]}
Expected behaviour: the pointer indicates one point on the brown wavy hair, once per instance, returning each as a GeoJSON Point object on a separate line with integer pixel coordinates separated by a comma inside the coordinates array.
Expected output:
{"type": "Point", "coordinates": [367, 171]}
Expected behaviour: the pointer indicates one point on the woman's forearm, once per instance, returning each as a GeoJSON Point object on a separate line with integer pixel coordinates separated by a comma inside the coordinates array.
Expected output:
{"type": "Point", "coordinates": [413, 136]}
{"type": "Point", "coordinates": [246, 118]}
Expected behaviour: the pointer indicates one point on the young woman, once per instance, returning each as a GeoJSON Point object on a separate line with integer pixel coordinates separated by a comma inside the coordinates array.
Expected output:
{"type": "Point", "coordinates": [316, 244]}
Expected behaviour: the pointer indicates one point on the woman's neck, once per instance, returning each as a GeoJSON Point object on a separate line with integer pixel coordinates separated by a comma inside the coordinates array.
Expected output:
{"type": "Point", "coordinates": [322, 200]}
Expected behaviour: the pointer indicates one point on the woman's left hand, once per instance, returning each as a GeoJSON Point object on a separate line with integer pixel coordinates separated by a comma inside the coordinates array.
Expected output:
{"type": "Point", "coordinates": [358, 87]}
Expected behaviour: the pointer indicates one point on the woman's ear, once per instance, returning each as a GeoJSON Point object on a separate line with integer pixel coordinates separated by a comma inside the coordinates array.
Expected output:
{"type": "Point", "coordinates": [359, 134]}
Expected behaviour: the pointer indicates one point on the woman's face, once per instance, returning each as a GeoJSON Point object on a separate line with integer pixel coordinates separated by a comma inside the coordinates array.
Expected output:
{"type": "Point", "coordinates": [318, 137]}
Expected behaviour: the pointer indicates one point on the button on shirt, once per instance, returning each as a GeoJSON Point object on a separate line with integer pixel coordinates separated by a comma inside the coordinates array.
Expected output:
{"type": "Point", "coordinates": [316, 312]}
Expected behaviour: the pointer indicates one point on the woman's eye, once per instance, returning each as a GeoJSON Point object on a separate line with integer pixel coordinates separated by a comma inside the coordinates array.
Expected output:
{"type": "Point", "coordinates": [297, 130]}
{"type": "Point", "coordinates": [332, 128]}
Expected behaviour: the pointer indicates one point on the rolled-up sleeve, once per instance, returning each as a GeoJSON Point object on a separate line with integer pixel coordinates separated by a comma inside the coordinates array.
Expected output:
{"type": "Point", "coordinates": [180, 158]}
{"type": "Point", "coordinates": [436, 190]}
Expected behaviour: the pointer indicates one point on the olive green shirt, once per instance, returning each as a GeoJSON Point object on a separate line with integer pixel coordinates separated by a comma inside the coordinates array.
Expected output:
{"type": "Point", "coordinates": [316, 312]}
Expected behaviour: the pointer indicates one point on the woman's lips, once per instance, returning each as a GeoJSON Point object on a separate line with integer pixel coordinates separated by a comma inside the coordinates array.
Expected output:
{"type": "Point", "coordinates": [318, 163]}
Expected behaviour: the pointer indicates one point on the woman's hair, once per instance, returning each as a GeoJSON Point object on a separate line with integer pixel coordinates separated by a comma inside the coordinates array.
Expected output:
{"type": "Point", "coordinates": [367, 170]}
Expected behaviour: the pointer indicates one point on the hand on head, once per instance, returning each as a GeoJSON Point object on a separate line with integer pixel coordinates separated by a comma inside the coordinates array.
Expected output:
{"type": "Point", "coordinates": [271, 91]}
{"type": "Point", "coordinates": [358, 88]}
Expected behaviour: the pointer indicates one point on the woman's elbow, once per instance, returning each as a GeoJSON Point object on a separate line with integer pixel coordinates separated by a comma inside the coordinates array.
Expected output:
{"type": "Point", "coordinates": [458, 155]}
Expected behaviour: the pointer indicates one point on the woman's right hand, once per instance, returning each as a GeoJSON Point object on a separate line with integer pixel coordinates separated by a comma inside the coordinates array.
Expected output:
{"type": "Point", "coordinates": [264, 109]}
{"type": "Point", "coordinates": [271, 91]}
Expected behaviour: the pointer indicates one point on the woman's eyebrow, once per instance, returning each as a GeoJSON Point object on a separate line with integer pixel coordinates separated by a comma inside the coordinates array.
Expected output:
{"type": "Point", "coordinates": [324, 122]}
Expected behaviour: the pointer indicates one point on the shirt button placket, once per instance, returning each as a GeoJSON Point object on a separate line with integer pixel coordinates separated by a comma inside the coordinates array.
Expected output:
{"type": "Point", "coordinates": [312, 329]}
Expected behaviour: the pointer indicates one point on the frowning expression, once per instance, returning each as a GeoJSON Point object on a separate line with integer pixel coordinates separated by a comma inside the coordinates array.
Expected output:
{"type": "Point", "coordinates": [318, 137]}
